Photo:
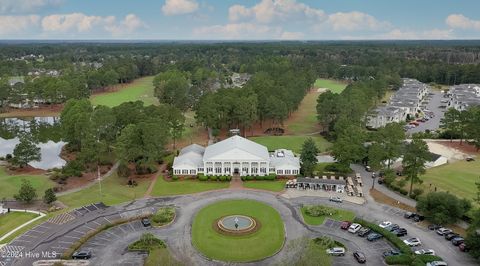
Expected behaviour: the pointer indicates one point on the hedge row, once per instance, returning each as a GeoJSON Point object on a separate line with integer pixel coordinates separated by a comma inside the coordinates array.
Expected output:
{"type": "Point", "coordinates": [270, 177]}
{"type": "Point", "coordinates": [222, 178]}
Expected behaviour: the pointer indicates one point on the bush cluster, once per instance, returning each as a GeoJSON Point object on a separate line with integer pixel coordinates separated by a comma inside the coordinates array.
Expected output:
{"type": "Point", "coordinates": [319, 210]}
{"type": "Point", "coordinates": [338, 168]}
{"type": "Point", "coordinates": [146, 243]}
{"type": "Point", "coordinates": [164, 215]}
{"type": "Point", "coordinates": [221, 178]}
{"type": "Point", "coordinates": [270, 177]}
{"type": "Point", "coordinates": [327, 242]}
{"type": "Point", "coordinates": [73, 168]}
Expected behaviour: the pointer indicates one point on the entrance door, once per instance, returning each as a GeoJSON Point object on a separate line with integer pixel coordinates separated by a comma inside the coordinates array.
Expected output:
{"type": "Point", "coordinates": [236, 171]}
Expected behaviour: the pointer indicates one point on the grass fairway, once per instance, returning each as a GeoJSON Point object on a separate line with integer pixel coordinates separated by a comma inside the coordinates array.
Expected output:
{"type": "Point", "coordinates": [114, 191]}
{"type": "Point", "coordinates": [341, 215]}
{"type": "Point", "coordinates": [333, 85]}
{"type": "Point", "coordinates": [293, 143]}
{"type": "Point", "coordinates": [304, 119]}
{"type": "Point", "coordinates": [166, 188]}
{"type": "Point", "coordinates": [10, 184]}
{"type": "Point", "coordinates": [458, 178]}
{"type": "Point", "coordinates": [139, 90]}
{"type": "Point", "coordinates": [12, 220]}
{"type": "Point", "coordinates": [261, 244]}
{"type": "Point", "coordinates": [275, 186]}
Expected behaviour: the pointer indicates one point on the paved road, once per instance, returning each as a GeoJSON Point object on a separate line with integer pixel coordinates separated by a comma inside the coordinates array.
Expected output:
{"type": "Point", "coordinates": [434, 106]}
{"type": "Point", "coordinates": [110, 246]}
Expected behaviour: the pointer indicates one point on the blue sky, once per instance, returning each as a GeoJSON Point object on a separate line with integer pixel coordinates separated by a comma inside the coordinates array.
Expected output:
{"type": "Point", "coordinates": [239, 19]}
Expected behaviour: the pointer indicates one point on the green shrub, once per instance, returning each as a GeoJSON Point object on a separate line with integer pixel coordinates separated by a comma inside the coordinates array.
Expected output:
{"type": "Point", "coordinates": [250, 178]}
{"type": "Point", "coordinates": [222, 178]}
{"type": "Point", "coordinates": [229, 177]}
{"type": "Point", "coordinates": [147, 242]}
{"type": "Point", "coordinates": [427, 258]}
{"type": "Point", "coordinates": [213, 178]}
{"type": "Point", "coordinates": [243, 178]}
{"type": "Point", "coordinates": [174, 178]}
{"type": "Point", "coordinates": [319, 210]}
{"type": "Point", "coordinates": [73, 168]}
{"type": "Point", "coordinates": [258, 177]}
{"type": "Point", "coordinates": [327, 242]}
{"type": "Point", "coordinates": [402, 259]}
{"type": "Point", "coordinates": [270, 177]}
{"type": "Point", "coordinates": [123, 170]}
{"type": "Point", "coordinates": [163, 215]}
{"type": "Point", "coordinates": [202, 177]}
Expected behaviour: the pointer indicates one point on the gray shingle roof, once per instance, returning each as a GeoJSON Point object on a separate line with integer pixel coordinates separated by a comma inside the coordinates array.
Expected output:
{"type": "Point", "coordinates": [236, 148]}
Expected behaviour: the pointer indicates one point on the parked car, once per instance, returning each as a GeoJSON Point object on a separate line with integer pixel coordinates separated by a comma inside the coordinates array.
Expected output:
{"type": "Point", "coordinates": [434, 226]}
{"type": "Point", "coordinates": [385, 224]}
{"type": "Point", "coordinates": [408, 215]}
{"type": "Point", "coordinates": [400, 232]}
{"type": "Point", "coordinates": [82, 255]}
{"type": "Point", "coordinates": [374, 236]}
{"type": "Point", "coordinates": [412, 242]}
{"type": "Point", "coordinates": [456, 241]}
{"type": "Point", "coordinates": [345, 225]}
{"type": "Point", "coordinates": [392, 227]}
{"type": "Point", "coordinates": [364, 231]}
{"type": "Point", "coordinates": [336, 251]}
{"type": "Point", "coordinates": [450, 236]}
{"type": "Point", "coordinates": [146, 222]}
{"type": "Point", "coordinates": [392, 252]}
{"type": "Point", "coordinates": [463, 247]}
{"type": "Point", "coordinates": [437, 263]}
{"type": "Point", "coordinates": [443, 231]}
{"type": "Point", "coordinates": [354, 228]}
{"type": "Point", "coordinates": [368, 168]}
{"type": "Point", "coordinates": [360, 256]}
{"type": "Point", "coordinates": [469, 159]}
{"type": "Point", "coordinates": [425, 252]}
{"type": "Point", "coordinates": [381, 180]}
{"type": "Point", "coordinates": [417, 217]}
{"type": "Point", "coordinates": [336, 199]}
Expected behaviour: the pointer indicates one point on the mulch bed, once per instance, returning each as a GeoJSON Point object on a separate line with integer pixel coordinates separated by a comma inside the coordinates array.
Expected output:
{"type": "Point", "coordinates": [384, 199]}
{"type": "Point", "coordinates": [464, 147]}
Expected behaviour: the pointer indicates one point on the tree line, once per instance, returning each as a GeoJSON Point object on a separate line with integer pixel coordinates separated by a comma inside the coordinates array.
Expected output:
{"type": "Point", "coordinates": [462, 125]}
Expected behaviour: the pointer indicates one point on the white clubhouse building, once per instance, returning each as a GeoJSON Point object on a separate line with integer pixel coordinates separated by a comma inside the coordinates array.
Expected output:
{"type": "Point", "coordinates": [235, 155]}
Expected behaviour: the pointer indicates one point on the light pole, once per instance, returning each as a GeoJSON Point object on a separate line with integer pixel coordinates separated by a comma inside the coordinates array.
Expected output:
{"type": "Point", "coordinates": [373, 177]}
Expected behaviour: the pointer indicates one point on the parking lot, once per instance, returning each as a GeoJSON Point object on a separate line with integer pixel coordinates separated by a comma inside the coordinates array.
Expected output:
{"type": "Point", "coordinates": [372, 249]}
{"type": "Point", "coordinates": [434, 105]}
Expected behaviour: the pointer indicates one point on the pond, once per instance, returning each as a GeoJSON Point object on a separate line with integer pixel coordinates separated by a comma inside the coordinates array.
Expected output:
{"type": "Point", "coordinates": [45, 132]}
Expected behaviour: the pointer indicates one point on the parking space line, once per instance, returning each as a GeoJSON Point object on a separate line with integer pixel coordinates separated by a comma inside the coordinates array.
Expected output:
{"type": "Point", "coordinates": [80, 232]}
{"type": "Point", "coordinates": [37, 231]}
{"type": "Point", "coordinates": [95, 222]}
{"type": "Point", "coordinates": [107, 220]}
{"type": "Point", "coordinates": [74, 237]}
{"type": "Point", "coordinates": [62, 248]}
{"type": "Point", "coordinates": [66, 242]}
{"type": "Point", "coordinates": [104, 239]}
{"type": "Point", "coordinates": [97, 244]}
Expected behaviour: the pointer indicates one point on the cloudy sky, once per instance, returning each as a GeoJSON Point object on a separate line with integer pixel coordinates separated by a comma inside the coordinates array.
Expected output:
{"type": "Point", "coordinates": [240, 19]}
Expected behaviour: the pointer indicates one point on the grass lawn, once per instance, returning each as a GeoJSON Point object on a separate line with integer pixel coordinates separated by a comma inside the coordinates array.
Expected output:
{"type": "Point", "coordinates": [261, 244]}
{"type": "Point", "coordinates": [166, 188]}
{"type": "Point", "coordinates": [304, 120]}
{"type": "Point", "coordinates": [12, 220]}
{"type": "Point", "coordinates": [290, 142]}
{"type": "Point", "coordinates": [276, 186]}
{"type": "Point", "coordinates": [114, 191]}
{"type": "Point", "coordinates": [161, 257]}
{"type": "Point", "coordinates": [139, 90]}
{"type": "Point", "coordinates": [341, 215]}
{"type": "Point", "coordinates": [9, 184]}
{"type": "Point", "coordinates": [333, 85]}
{"type": "Point", "coordinates": [458, 178]}
{"type": "Point", "coordinates": [29, 226]}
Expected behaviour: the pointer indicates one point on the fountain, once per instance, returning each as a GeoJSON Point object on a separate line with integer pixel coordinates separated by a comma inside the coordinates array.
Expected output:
{"type": "Point", "coordinates": [236, 224]}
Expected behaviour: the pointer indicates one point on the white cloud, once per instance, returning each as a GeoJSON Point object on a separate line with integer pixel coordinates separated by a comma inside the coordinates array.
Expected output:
{"type": "Point", "coordinates": [17, 24]}
{"type": "Point", "coordinates": [81, 23]}
{"type": "Point", "coordinates": [178, 7]}
{"type": "Point", "coordinates": [268, 11]}
{"type": "Point", "coordinates": [288, 35]}
{"type": "Point", "coordinates": [435, 34]}
{"type": "Point", "coordinates": [459, 21]}
{"type": "Point", "coordinates": [355, 20]}
{"type": "Point", "coordinates": [236, 31]}
{"type": "Point", "coordinates": [25, 6]}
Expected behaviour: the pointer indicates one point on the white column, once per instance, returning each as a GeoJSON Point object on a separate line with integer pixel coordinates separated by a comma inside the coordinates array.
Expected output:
{"type": "Point", "coordinates": [223, 170]}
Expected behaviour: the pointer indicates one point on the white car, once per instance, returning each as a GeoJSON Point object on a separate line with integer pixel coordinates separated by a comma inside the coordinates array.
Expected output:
{"type": "Point", "coordinates": [354, 228]}
{"type": "Point", "coordinates": [437, 263]}
{"type": "Point", "coordinates": [336, 251]}
{"type": "Point", "coordinates": [443, 231]}
{"type": "Point", "coordinates": [385, 224]}
{"type": "Point", "coordinates": [425, 252]}
{"type": "Point", "coordinates": [412, 242]}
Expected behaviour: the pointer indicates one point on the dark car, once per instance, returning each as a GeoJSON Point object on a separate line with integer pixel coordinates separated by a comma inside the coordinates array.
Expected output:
{"type": "Point", "coordinates": [364, 231]}
{"type": "Point", "coordinates": [82, 255]}
{"type": "Point", "coordinates": [434, 226]}
{"type": "Point", "coordinates": [360, 256]}
{"type": "Point", "coordinates": [392, 252]}
{"type": "Point", "coordinates": [408, 215]}
{"type": "Point", "coordinates": [146, 222]}
{"type": "Point", "coordinates": [345, 225]}
{"type": "Point", "coordinates": [381, 180]}
{"type": "Point", "coordinates": [463, 247]}
{"type": "Point", "coordinates": [418, 218]}
{"type": "Point", "coordinates": [374, 236]}
{"type": "Point", "coordinates": [456, 241]}
{"type": "Point", "coordinates": [450, 236]}
{"type": "Point", "coordinates": [469, 159]}
{"type": "Point", "coordinates": [392, 227]}
{"type": "Point", "coordinates": [400, 232]}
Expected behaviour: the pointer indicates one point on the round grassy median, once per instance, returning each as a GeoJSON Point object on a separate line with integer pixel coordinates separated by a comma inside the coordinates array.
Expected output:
{"type": "Point", "coordinates": [263, 243]}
